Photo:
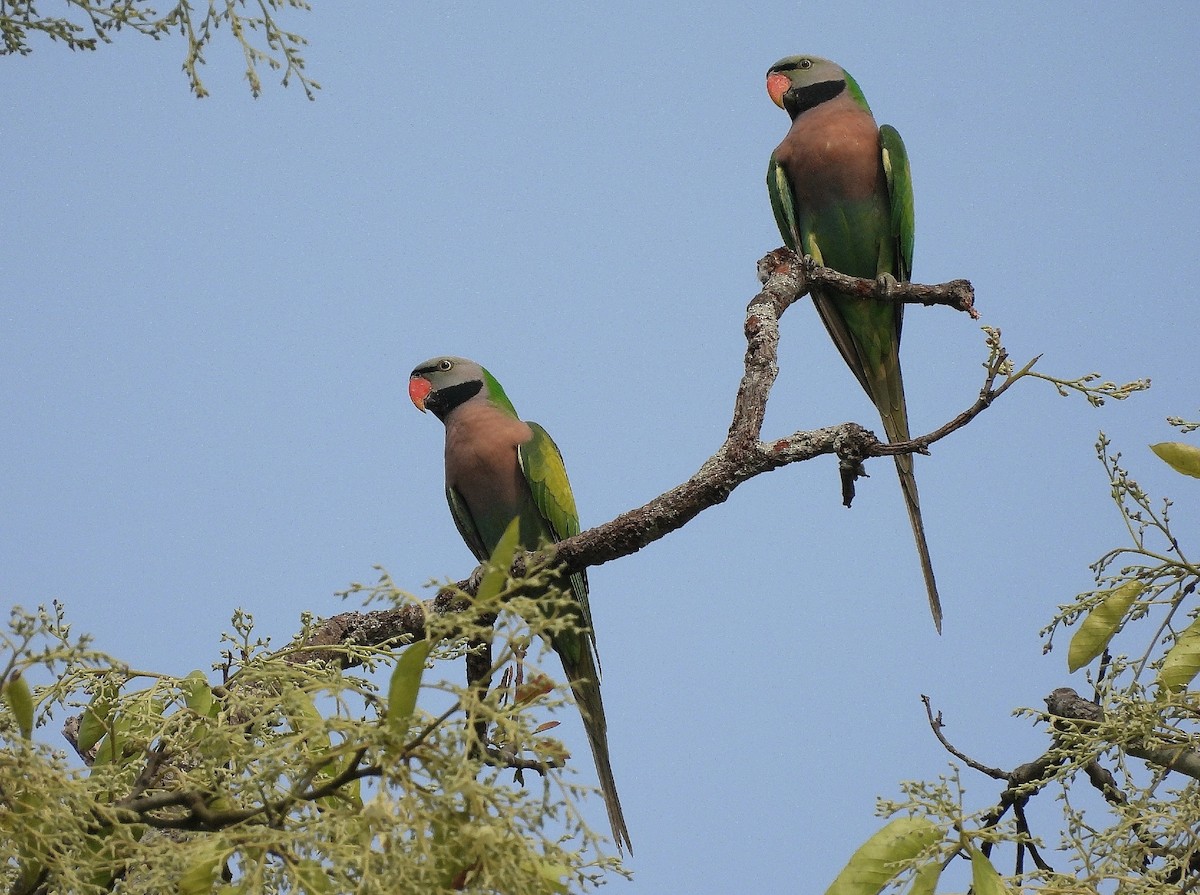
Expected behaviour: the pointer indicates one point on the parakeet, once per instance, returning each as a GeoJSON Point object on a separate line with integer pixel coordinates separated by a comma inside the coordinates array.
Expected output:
{"type": "Point", "coordinates": [499, 468]}
{"type": "Point", "coordinates": [841, 190]}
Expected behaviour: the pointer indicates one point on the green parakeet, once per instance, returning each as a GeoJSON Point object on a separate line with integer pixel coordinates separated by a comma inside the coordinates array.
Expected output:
{"type": "Point", "coordinates": [499, 468]}
{"type": "Point", "coordinates": [841, 190]}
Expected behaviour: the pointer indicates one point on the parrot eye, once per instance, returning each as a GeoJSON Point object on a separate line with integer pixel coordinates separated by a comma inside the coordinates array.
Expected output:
{"type": "Point", "coordinates": [804, 64]}
{"type": "Point", "coordinates": [445, 366]}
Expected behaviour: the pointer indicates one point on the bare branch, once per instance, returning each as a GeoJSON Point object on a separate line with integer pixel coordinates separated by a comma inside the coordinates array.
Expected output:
{"type": "Point", "coordinates": [936, 724]}
{"type": "Point", "coordinates": [785, 279]}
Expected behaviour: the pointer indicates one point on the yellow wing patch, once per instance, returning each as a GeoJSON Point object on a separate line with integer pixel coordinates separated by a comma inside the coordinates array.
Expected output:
{"type": "Point", "coordinates": [546, 473]}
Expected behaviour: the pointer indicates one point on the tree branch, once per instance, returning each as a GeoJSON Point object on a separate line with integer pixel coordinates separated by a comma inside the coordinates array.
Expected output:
{"type": "Point", "coordinates": [1066, 703]}
{"type": "Point", "coordinates": [957, 294]}
{"type": "Point", "coordinates": [743, 456]}
{"type": "Point", "coordinates": [786, 278]}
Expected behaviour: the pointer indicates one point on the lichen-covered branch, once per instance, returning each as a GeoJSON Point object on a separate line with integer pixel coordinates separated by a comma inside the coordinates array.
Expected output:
{"type": "Point", "coordinates": [743, 455]}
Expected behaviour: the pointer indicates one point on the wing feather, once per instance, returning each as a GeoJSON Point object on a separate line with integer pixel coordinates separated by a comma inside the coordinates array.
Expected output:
{"type": "Point", "coordinates": [466, 524]}
{"type": "Point", "coordinates": [542, 463]}
{"type": "Point", "coordinates": [900, 194]}
{"type": "Point", "coordinates": [783, 204]}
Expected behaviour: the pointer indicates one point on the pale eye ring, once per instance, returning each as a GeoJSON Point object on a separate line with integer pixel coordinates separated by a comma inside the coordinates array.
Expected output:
{"type": "Point", "coordinates": [445, 366]}
{"type": "Point", "coordinates": [805, 64]}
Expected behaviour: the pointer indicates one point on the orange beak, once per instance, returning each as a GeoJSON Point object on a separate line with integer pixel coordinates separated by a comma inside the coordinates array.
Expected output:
{"type": "Point", "coordinates": [418, 390]}
{"type": "Point", "coordinates": [777, 85]}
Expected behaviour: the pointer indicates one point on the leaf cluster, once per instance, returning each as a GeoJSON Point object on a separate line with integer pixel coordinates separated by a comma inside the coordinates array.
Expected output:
{"type": "Point", "coordinates": [279, 774]}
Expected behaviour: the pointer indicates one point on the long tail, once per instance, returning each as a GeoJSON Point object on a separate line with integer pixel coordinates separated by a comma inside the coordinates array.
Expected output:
{"type": "Point", "coordinates": [895, 425]}
{"type": "Point", "coordinates": [908, 484]}
{"type": "Point", "coordinates": [585, 684]}
{"type": "Point", "coordinates": [871, 348]}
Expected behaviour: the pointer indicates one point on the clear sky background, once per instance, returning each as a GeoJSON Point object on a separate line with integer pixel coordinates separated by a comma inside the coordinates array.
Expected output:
{"type": "Point", "coordinates": [210, 309]}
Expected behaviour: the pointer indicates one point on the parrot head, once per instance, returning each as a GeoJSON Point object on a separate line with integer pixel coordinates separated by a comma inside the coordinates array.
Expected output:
{"type": "Point", "coordinates": [442, 383]}
{"type": "Point", "coordinates": [798, 83]}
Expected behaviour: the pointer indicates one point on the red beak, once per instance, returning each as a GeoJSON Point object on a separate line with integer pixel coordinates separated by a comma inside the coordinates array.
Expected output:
{"type": "Point", "coordinates": [777, 85]}
{"type": "Point", "coordinates": [418, 390]}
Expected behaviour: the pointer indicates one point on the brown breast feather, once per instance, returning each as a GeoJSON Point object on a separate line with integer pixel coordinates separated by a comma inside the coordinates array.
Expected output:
{"type": "Point", "coordinates": [481, 457]}
{"type": "Point", "coordinates": [832, 154]}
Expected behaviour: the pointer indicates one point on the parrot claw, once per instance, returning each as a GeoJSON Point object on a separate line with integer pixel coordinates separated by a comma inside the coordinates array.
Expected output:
{"type": "Point", "coordinates": [475, 579]}
{"type": "Point", "coordinates": [885, 285]}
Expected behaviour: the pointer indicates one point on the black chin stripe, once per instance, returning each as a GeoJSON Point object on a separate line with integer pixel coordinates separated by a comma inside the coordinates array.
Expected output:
{"type": "Point", "coordinates": [801, 99]}
{"type": "Point", "coordinates": [446, 399]}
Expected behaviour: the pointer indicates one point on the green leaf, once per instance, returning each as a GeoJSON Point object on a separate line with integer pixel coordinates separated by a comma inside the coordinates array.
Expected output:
{"type": "Point", "coordinates": [404, 685]}
{"type": "Point", "coordinates": [1182, 662]}
{"type": "Point", "coordinates": [877, 861]}
{"type": "Point", "coordinates": [17, 694]}
{"type": "Point", "coordinates": [304, 717]}
{"type": "Point", "coordinates": [499, 563]}
{"type": "Point", "coordinates": [28, 815]}
{"type": "Point", "coordinates": [1179, 456]}
{"type": "Point", "coordinates": [97, 717]}
{"type": "Point", "coordinates": [197, 694]}
{"type": "Point", "coordinates": [199, 878]}
{"type": "Point", "coordinates": [984, 878]}
{"type": "Point", "coordinates": [131, 730]}
{"type": "Point", "coordinates": [116, 738]}
{"type": "Point", "coordinates": [926, 879]}
{"type": "Point", "coordinates": [1101, 624]}
{"type": "Point", "coordinates": [144, 714]}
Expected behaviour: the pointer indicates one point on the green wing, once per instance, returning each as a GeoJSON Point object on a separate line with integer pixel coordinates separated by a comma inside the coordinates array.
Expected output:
{"type": "Point", "coordinates": [900, 194]}
{"type": "Point", "coordinates": [783, 204]}
{"type": "Point", "coordinates": [542, 463]}
{"type": "Point", "coordinates": [466, 525]}
{"type": "Point", "coordinates": [543, 466]}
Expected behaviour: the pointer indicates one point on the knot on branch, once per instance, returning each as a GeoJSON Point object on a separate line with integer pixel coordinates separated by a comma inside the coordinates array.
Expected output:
{"type": "Point", "coordinates": [1066, 703]}
{"type": "Point", "coordinates": [784, 276]}
{"type": "Point", "coordinates": [852, 445]}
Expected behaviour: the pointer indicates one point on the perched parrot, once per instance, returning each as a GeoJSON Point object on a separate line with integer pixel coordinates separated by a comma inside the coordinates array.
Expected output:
{"type": "Point", "coordinates": [499, 468]}
{"type": "Point", "coordinates": [841, 191]}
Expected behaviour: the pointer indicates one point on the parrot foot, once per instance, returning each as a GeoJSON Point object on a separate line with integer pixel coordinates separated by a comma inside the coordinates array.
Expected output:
{"type": "Point", "coordinates": [885, 285]}
{"type": "Point", "coordinates": [474, 580]}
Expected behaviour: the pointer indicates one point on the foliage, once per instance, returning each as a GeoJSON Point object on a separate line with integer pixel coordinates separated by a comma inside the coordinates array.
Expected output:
{"type": "Point", "coordinates": [290, 775]}
{"type": "Point", "coordinates": [262, 40]}
{"type": "Point", "coordinates": [1135, 744]}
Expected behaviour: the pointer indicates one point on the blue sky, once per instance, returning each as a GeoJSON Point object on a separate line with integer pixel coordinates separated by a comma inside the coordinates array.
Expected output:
{"type": "Point", "coordinates": [211, 308]}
